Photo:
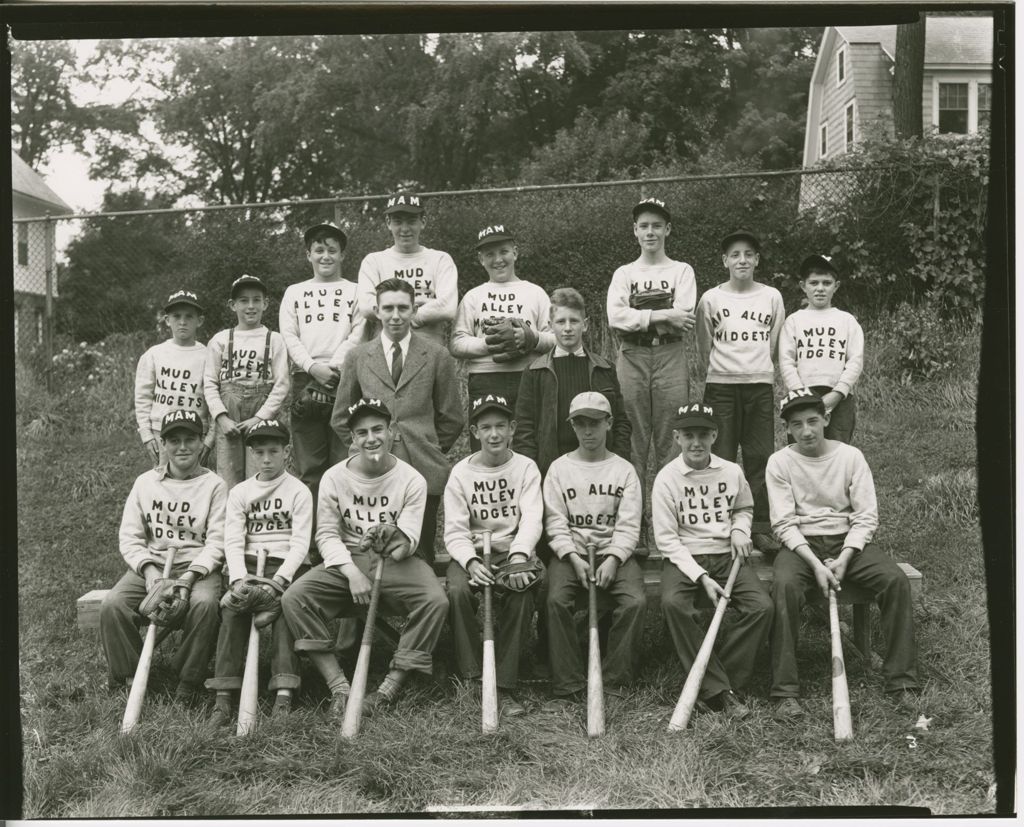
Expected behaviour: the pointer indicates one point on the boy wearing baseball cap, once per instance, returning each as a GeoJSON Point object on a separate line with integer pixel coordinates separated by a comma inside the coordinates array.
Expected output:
{"type": "Point", "coordinates": [431, 273]}
{"type": "Point", "coordinates": [501, 324]}
{"type": "Point", "coordinates": [592, 496]}
{"type": "Point", "coordinates": [822, 347]}
{"type": "Point", "coordinates": [178, 505]}
{"type": "Point", "coordinates": [738, 327]}
{"type": "Point", "coordinates": [169, 376]}
{"type": "Point", "coordinates": [246, 378]}
{"type": "Point", "coordinates": [824, 510]}
{"type": "Point", "coordinates": [495, 490]}
{"type": "Point", "coordinates": [273, 512]}
{"type": "Point", "coordinates": [701, 507]}
{"type": "Point", "coordinates": [371, 498]}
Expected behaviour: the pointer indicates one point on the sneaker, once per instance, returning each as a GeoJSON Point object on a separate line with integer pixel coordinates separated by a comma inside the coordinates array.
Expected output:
{"type": "Point", "coordinates": [339, 700]}
{"type": "Point", "coordinates": [386, 695]}
{"type": "Point", "coordinates": [564, 703]}
{"type": "Point", "coordinates": [220, 717]}
{"type": "Point", "coordinates": [906, 700]}
{"type": "Point", "coordinates": [766, 543]}
{"type": "Point", "coordinates": [787, 708]}
{"type": "Point", "coordinates": [282, 705]}
{"type": "Point", "coordinates": [509, 705]}
{"type": "Point", "coordinates": [727, 702]}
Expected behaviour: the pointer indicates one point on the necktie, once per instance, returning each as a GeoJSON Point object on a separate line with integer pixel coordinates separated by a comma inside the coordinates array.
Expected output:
{"type": "Point", "coordinates": [396, 364]}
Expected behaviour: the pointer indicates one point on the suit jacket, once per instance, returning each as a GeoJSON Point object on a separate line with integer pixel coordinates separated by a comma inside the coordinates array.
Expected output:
{"type": "Point", "coordinates": [426, 410]}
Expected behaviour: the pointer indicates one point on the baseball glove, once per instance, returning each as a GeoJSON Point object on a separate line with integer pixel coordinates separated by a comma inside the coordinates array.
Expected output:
{"type": "Point", "coordinates": [314, 401]}
{"type": "Point", "coordinates": [166, 603]}
{"type": "Point", "coordinates": [503, 573]}
{"type": "Point", "coordinates": [386, 540]}
{"type": "Point", "coordinates": [502, 341]}
{"type": "Point", "coordinates": [267, 603]}
{"type": "Point", "coordinates": [651, 300]}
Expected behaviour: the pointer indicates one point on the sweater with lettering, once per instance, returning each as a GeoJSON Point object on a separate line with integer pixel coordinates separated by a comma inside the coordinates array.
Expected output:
{"type": "Point", "coordinates": [676, 277]}
{"type": "Point", "coordinates": [169, 377]}
{"type": "Point", "coordinates": [593, 502]}
{"type": "Point", "coordinates": [246, 366]}
{"type": "Point", "coordinates": [432, 274]}
{"type": "Point", "coordinates": [349, 504]}
{"type": "Point", "coordinates": [276, 515]}
{"type": "Point", "coordinates": [505, 500]}
{"type": "Point", "coordinates": [319, 322]}
{"type": "Point", "coordinates": [821, 347]}
{"type": "Point", "coordinates": [513, 299]}
{"type": "Point", "coordinates": [162, 512]}
{"type": "Point", "coordinates": [816, 496]}
{"type": "Point", "coordinates": [738, 334]}
{"type": "Point", "coordinates": [694, 511]}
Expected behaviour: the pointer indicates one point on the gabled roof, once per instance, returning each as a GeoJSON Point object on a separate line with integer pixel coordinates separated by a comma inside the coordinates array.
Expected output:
{"type": "Point", "coordinates": [948, 40]}
{"type": "Point", "coordinates": [27, 181]}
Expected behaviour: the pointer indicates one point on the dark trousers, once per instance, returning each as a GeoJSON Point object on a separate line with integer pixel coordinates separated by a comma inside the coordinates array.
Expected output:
{"type": "Point", "coordinates": [315, 446]}
{"type": "Point", "coordinates": [627, 602]}
{"type": "Point", "coordinates": [869, 568]}
{"type": "Point", "coordinates": [428, 530]}
{"type": "Point", "coordinates": [841, 421]}
{"type": "Point", "coordinates": [500, 384]}
{"type": "Point", "coordinates": [512, 613]}
{"type": "Point", "coordinates": [745, 415]}
{"type": "Point", "coordinates": [736, 648]}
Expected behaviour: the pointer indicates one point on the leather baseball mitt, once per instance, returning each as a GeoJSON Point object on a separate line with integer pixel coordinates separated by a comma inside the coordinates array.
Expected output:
{"type": "Point", "coordinates": [651, 300]}
{"type": "Point", "coordinates": [386, 540]}
{"type": "Point", "coordinates": [166, 603]}
{"type": "Point", "coordinates": [503, 574]}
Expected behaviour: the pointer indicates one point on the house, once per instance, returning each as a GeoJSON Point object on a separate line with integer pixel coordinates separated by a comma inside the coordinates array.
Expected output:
{"type": "Point", "coordinates": [34, 249]}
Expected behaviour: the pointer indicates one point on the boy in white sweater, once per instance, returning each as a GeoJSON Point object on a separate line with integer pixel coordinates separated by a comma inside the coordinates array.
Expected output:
{"type": "Point", "coordinates": [592, 496]}
{"type": "Point", "coordinates": [431, 273]}
{"type": "Point", "coordinates": [824, 510]}
{"type": "Point", "coordinates": [738, 327]}
{"type": "Point", "coordinates": [270, 511]}
{"type": "Point", "coordinates": [246, 378]}
{"type": "Point", "coordinates": [169, 376]}
{"type": "Point", "coordinates": [499, 491]}
{"type": "Point", "coordinates": [702, 507]}
{"type": "Point", "coordinates": [179, 505]}
{"type": "Point", "coordinates": [822, 347]}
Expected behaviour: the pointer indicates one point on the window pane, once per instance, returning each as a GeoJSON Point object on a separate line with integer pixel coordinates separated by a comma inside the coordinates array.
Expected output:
{"type": "Point", "coordinates": [954, 120]}
{"type": "Point", "coordinates": [849, 125]}
{"type": "Point", "coordinates": [984, 98]}
{"type": "Point", "coordinates": [842, 65]}
{"type": "Point", "coordinates": [952, 96]}
{"type": "Point", "coordinates": [824, 141]}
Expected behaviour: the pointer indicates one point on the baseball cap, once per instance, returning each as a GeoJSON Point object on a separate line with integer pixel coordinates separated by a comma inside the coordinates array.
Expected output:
{"type": "Point", "coordinates": [245, 280]}
{"type": "Point", "coordinates": [490, 402]}
{"type": "Point", "coordinates": [367, 406]}
{"type": "Point", "coordinates": [800, 398]}
{"type": "Point", "coordinates": [265, 428]}
{"type": "Point", "coordinates": [816, 262]}
{"type": "Point", "coordinates": [694, 415]}
{"type": "Point", "coordinates": [655, 205]}
{"type": "Point", "coordinates": [404, 202]}
{"type": "Point", "coordinates": [590, 403]}
{"type": "Point", "coordinates": [183, 297]}
{"type": "Point", "coordinates": [493, 233]}
{"type": "Point", "coordinates": [181, 419]}
{"type": "Point", "coordinates": [740, 235]}
{"type": "Point", "coordinates": [329, 229]}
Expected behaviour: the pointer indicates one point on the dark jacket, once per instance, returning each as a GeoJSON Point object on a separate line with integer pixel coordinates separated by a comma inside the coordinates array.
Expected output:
{"type": "Point", "coordinates": [537, 410]}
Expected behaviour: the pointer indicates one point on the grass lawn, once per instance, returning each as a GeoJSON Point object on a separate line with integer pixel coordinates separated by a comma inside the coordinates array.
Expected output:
{"type": "Point", "coordinates": [429, 753]}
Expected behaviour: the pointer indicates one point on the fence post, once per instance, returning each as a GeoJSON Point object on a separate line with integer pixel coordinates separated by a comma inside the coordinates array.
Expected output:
{"type": "Point", "coordinates": [49, 242]}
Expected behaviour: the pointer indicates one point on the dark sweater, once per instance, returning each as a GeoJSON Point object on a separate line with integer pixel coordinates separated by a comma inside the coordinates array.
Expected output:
{"type": "Point", "coordinates": [573, 376]}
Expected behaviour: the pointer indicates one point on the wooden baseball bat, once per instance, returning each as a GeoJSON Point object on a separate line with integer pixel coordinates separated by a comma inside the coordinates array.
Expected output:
{"type": "Point", "coordinates": [354, 708]}
{"type": "Point", "coordinates": [595, 681]}
{"type": "Point", "coordinates": [695, 677]}
{"type": "Point", "coordinates": [842, 721]}
{"type": "Point", "coordinates": [137, 694]}
{"type": "Point", "coordinates": [489, 680]}
{"type": "Point", "coordinates": [248, 702]}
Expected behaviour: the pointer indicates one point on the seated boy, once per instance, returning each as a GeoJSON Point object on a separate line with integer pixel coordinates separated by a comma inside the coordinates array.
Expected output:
{"type": "Point", "coordinates": [592, 496]}
{"type": "Point", "coordinates": [701, 512]}
{"type": "Point", "coordinates": [372, 492]}
{"type": "Point", "coordinates": [273, 511]}
{"type": "Point", "coordinates": [178, 505]}
{"type": "Point", "coordinates": [823, 508]}
{"type": "Point", "coordinates": [497, 490]}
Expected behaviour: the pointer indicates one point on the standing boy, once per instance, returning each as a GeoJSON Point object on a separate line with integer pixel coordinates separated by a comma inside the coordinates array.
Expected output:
{"type": "Point", "coordinates": [701, 508]}
{"type": "Point", "coordinates": [822, 347]}
{"type": "Point", "coordinates": [169, 376]}
{"type": "Point", "coordinates": [738, 327]}
{"type": "Point", "coordinates": [824, 510]}
{"type": "Point", "coordinates": [178, 505]}
{"type": "Point", "coordinates": [592, 496]}
{"type": "Point", "coordinates": [431, 273]}
{"type": "Point", "coordinates": [246, 378]}
{"type": "Point", "coordinates": [270, 512]}
{"type": "Point", "coordinates": [493, 490]}
{"type": "Point", "coordinates": [502, 323]}
{"type": "Point", "coordinates": [370, 493]}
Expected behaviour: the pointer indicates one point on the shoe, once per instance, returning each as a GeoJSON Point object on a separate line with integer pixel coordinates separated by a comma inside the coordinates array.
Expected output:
{"type": "Point", "coordinates": [220, 717]}
{"type": "Point", "coordinates": [563, 703]}
{"type": "Point", "coordinates": [727, 702]}
{"type": "Point", "coordinates": [510, 707]}
{"type": "Point", "coordinates": [387, 693]}
{"type": "Point", "coordinates": [787, 708]}
{"type": "Point", "coordinates": [339, 700]}
{"type": "Point", "coordinates": [766, 543]}
{"type": "Point", "coordinates": [282, 705]}
{"type": "Point", "coordinates": [185, 693]}
{"type": "Point", "coordinates": [906, 700]}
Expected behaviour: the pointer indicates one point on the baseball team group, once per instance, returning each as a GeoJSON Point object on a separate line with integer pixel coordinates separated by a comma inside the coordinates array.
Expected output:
{"type": "Point", "coordinates": [358, 395]}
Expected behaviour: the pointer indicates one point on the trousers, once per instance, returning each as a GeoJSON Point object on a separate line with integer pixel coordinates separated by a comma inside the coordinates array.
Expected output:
{"type": "Point", "coordinates": [241, 401]}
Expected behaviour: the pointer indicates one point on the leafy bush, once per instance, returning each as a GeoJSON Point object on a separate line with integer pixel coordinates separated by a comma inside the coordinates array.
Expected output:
{"type": "Point", "coordinates": [924, 344]}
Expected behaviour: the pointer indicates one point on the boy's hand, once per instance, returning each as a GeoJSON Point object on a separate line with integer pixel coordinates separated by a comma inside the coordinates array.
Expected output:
{"type": "Point", "coordinates": [680, 319]}
{"type": "Point", "coordinates": [742, 545]}
{"type": "Point", "coordinates": [581, 568]}
{"type": "Point", "coordinates": [227, 425]}
{"type": "Point", "coordinates": [838, 566]}
{"type": "Point", "coordinates": [246, 424]}
{"type": "Point", "coordinates": [826, 579]}
{"type": "Point", "coordinates": [606, 572]}
{"type": "Point", "coordinates": [152, 449]}
{"type": "Point", "coordinates": [152, 573]}
{"type": "Point", "coordinates": [713, 590]}
{"type": "Point", "coordinates": [831, 399]}
{"type": "Point", "coordinates": [479, 575]}
{"type": "Point", "coordinates": [358, 584]}
{"type": "Point", "coordinates": [326, 376]}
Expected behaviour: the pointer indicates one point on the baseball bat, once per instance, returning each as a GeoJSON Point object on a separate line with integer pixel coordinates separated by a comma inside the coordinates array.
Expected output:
{"type": "Point", "coordinates": [489, 680]}
{"type": "Point", "coordinates": [695, 677]}
{"type": "Point", "coordinates": [842, 721]}
{"type": "Point", "coordinates": [137, 694]}
{"type": "Point", "coordinates": [595, 681]}
{"type": "Point", "coordinates": [248, 704]}
{"type": "Point", "coordinates": [354, 708]}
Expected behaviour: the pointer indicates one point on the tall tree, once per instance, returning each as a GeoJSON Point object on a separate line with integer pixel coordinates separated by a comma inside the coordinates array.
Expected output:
{"type": "Point", "coordinates": [908, 79]}
{"type": "Point", "coordinates": [43, 112]}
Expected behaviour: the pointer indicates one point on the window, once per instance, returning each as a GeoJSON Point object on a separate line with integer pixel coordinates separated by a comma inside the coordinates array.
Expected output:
{"type": "Point", "coordinates": [849, 125]}
{"type": "Point", "coordinates": [841, 67]}
{"type": "Point", "coordinates": [824, 140]}
{"type": "Point", "coordinates": [953, 107]}
{"type": "Point", "coordinates": [984, 105]}
{"type": "Point", "coordinates": [23, 245]}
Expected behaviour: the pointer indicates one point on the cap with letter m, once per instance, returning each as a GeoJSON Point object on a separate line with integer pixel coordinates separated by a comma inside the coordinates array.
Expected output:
{"type": "Point", "coordinates": [800, 398]}
{"type": "Point", "coordinates": [694, 415]}
{"type": "Point", "coordinates": [490, 402]}
{"type": "Point", "coordinates": [654, 205]}
{"type": "Point", "coordinates": [407, 202]}
{"type": "Point", "coordinates": [183, 297]}
{"type": "Point", "coordinates": [493, 233]}
{"type": "Point", "coordinates": [267, 429]}
{"type": "Point", "coordinates": [183, 420]}
{"type": "Point", "coordinates": [365, 406]}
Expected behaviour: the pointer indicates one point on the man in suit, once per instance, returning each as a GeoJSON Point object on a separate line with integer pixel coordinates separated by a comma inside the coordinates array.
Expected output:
{"type": "Point", "coordinates": [415, 378]}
